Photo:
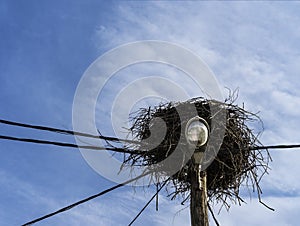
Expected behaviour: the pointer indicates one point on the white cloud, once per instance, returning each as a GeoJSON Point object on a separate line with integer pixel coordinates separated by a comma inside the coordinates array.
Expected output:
{"type": "Point", "coordinates": [286, 213]}
{"type": "Point", "coordinates": [253, 46]}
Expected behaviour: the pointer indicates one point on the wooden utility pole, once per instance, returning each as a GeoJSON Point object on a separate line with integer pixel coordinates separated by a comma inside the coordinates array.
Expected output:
{"type": "Point", "coordinates": [198, 205]}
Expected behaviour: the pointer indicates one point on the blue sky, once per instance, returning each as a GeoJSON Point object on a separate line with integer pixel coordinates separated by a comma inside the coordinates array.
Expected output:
{"type": "Point", "coordinates": [45, 47]}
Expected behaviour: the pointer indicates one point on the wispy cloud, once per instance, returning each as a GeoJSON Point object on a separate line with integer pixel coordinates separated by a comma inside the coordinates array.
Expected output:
{"type": "Point", "coordinates": [252, 46]}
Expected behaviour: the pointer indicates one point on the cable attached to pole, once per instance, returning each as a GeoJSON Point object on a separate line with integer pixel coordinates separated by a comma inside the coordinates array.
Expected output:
{"type": "Point", "coordinates": [278, 146]}
{"type": "Point", "coordinates": [147, 204]}
{"type": "Point", "coordinates": [114, 139]}
{"type": "Point", "coordinates": [67, 132]}
{"type": "Point", "coordinates": [85, 200]}
{"type": "Point", "coordinates": [71, 145]}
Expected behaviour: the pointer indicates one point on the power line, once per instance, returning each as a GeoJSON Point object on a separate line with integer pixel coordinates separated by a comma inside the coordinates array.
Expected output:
{"type": "Point", "coordinates": [62, 144]}
{"type": "Point", "coordinates": [212, 214]}
{"type": "Point", "coordinates": [278, 146]}
{"type": "Point", "coordinates": [85, 200]}
{"type": "Point", "coordinates": [122, 150]}
{"type": "Point", "coordinates": [147, 204]}
{"type": "Point", "coordinates": [62, 131]}
{"type": "Point", "coordinates": [114, 139]}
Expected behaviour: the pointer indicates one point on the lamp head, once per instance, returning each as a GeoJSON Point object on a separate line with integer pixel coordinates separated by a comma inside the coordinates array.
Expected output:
{"type": "Point", "coordinates": [197, 131]}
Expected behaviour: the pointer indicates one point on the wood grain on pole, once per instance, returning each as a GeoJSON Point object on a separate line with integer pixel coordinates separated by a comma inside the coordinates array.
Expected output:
{"type": "Point", "coordinates": [198, 205]}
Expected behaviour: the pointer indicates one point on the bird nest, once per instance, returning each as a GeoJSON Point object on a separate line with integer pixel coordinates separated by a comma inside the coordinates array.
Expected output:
{"type": "Point", "coordinates": [238, 160]}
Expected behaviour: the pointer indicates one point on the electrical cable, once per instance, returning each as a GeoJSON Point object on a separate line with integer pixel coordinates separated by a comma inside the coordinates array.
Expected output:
{"type": "Point", "coordinates": [66, 132]}
{"type": "Point", "coordinates": [147, 204]}
{"type": "Point", "coordinates": [62, 144]}
{"type": "Point", "coordinates": [85, 200]}
{"type": "Point", "coordinates": [278, 146]}
{"type": "Point", "coordinates": [108, 138]}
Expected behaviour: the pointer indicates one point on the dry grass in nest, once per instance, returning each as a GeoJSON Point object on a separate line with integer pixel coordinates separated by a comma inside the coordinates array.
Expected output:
{"type": "Point", "coordinates": [237, 162]}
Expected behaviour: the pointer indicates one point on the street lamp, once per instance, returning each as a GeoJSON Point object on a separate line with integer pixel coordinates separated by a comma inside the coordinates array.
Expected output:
{"type": "Point", "coordinates": [196, 134]}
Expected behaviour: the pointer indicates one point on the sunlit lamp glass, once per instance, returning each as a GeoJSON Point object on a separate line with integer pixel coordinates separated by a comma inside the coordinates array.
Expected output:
{"type": "Point", "coordinates": [196, 132]}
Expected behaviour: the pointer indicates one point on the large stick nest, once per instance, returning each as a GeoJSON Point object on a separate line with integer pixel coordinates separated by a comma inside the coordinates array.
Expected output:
{"type": "Point", "coordinates": [237, 162]}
